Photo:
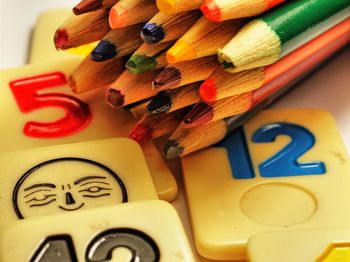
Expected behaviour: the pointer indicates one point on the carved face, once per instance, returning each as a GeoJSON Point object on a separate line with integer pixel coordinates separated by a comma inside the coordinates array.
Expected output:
{"type": "Point", "coordinates": [66, 184]}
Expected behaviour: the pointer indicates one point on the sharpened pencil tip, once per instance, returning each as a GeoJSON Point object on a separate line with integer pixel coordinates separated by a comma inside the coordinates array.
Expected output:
{"type": "Point", "coordinates": [207, 90]}
{"type": "Point", "coordinates": [200, 114]}
{"type": "Point", "coordinates": [103, 51]}
{"type": "Point", "coordinates": [211, 11]}
{"type": "Point", "coordinates": [118, 17]}
{"type": "Point", "coordinates": [114, 98]}
{"type": "Point", "coordinates": [172, 149]}
{"type": "Point", "coordinates": [141, 133]}
{"type": "Point", "coordinates": [181, 51]}
{"type": "Point", "coordinates": [86, 6]}
{"type": "Point", "coordinates": [152, 33]}
{"type": "Point", "coordinates": [60, 39]}
{"type": "Point", "coordinates": [170, 77]}
{"type": "Point", "coordinates": [161, 103]}
{"type": "Point", "coordinates": [138, 64]}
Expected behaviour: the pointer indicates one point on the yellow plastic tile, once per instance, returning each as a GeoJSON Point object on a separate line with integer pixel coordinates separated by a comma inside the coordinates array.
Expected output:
{"type": "Point", "coordinates": [138, 231]}
{"type": "Point", "coordinates": [318, 245]}
{"type": "Point", "coordinates": [38, 109]}
{"type": "Point", "coordinates": [43, 48]}
{"type": "Point", "coordinates": [64, 178]}
{"type": "Point", "coordinates": [310, 189]}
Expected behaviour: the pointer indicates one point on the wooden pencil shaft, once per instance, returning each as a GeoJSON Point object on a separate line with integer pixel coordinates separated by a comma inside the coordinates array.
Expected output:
{"type": "Point", "coordinates": [91, 75]}
{"type": "Point", "coordinates": [82, 29]}
{"type": "Point", "coordinates": [177, 6]}
{"type": "Point", "coordinates": [129, 12]}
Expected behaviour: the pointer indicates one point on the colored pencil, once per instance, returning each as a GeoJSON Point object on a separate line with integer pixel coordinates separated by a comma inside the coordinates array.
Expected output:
{"type": "Point", "coordinates": [202, 39]}
{"type": "Point", "coordinates": [82, 29]}
{"type": "Point", "coordinates": [186, 140]}
{"type": "Point", "coordinates": [90, 75]}
{"type": "Point", "coordinates": [164, 28]}
{"type": "Point", "coordinates": [220, 10]}
{"type": "Point", "coordinates": [184, 73]}
{"type": "Point", "coordinates": [173, 99]}
{"type": "Point", "coordinates": [129, 12]}
{"type": "Point", "coordinates": [153, 126]}
{"type": "Point", "coordinates": [222, 84]}
{"type": "Point", "coordinates": [310, 56]}
{"type": "Point", "coordinates": [265, 40]}
{"type": "Point", "coordinates": [117, 42]}
{"type": "Point", "coordinates": [130, 88]}
{"type": "Point", "coordinates": [177, 6]}
{"type": "Point", "coordinates": [86, 6]}
{"type": "Point", "coordinates": [148, 57]}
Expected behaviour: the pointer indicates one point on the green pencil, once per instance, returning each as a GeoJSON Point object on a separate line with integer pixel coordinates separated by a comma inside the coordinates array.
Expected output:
{"type": "Point", "coordinates": [148, 57]}
{"type": "Point", "coordinates": [266, 39]}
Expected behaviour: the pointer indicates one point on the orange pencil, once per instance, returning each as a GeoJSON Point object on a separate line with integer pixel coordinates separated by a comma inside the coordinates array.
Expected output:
{"type": "Point", "coordinates": [314, 53]}
{"type": "Point", "coordinates": [130, 12]}
{"type": "Point", "coordinates": [219, 10]}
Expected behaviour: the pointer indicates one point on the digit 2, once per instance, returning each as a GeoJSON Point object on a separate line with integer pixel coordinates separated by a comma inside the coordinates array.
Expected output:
{"type": "Point", "coordinates": [285, 162]}
{"type": "Point", "coordinates": [26, 92]}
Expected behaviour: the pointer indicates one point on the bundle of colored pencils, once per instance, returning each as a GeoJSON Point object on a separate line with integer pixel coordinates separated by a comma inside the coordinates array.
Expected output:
{"type": "Point", "coordinates": [199, 69]}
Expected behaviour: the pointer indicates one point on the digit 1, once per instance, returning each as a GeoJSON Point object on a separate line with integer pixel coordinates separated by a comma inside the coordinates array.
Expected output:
{"type": "Point", "coordinates": [141, 246]}
{"type": "Point", "coordinates": [238, 154]}
{"type": "Point", "coordinates": [285, 162]}
{"type": "Point", "coordinates": [55, 249]}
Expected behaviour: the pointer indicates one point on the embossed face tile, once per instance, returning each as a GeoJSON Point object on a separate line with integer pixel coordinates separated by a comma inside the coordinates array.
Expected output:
{"type": "Point", "coordinates": [319, 245]}
{"type": "Point", "coordinates": [38, 109]}
{"type": "Point", "coordinates": [66, 178]}
{"type": "Point", "coordinates": [285, 169]}
{"type": "Point", "coordinates": [144, 231]}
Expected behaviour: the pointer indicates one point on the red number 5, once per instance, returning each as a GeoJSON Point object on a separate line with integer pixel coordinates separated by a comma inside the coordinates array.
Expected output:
{"type": "Point", "coordinates": [26, 92]}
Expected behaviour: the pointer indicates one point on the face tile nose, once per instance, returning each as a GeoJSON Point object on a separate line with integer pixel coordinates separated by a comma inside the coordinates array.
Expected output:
{"type": "Point", "coordinates": [69, 199]}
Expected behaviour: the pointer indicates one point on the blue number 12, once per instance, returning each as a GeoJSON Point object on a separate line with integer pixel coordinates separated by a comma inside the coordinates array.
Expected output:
{"type": "Point", "coordinates": [283, 163]}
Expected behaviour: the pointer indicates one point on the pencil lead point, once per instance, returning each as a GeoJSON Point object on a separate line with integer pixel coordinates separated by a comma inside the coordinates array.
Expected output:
{"type": "Point", "coordinates": [152, 33]}
{"type": "Point", "coordinates": [60, 39]}
{"type": "Point", "coordinates": [170, 77]}
{"type": "Point", "coordinates": [141, 133]}
{"type": "Point", "coordinates": [161, 103]}
{"type": "Point", "coordinates": [207, 90]}
{"type": "Point", "coordinates": [200, 114]}
{"type": "Point", "coordinates": [118, 17]}
{"type": "Point", "coordinates": [180, 51]}
{"type": "Point", "coordinates": [72, 84]}
{"type": "Point", "coordinates": [172, 149]}
{"type": "Point", "coordinates": [138, 64]}
{"type": "Point", "coordinates": [103, 51]}
{"type": "Point", "coordinates": [211, 11]}
{"type": "Point", "coordinates": [114, 98]}
{"type": "Point", "coordinates": [86, 6]}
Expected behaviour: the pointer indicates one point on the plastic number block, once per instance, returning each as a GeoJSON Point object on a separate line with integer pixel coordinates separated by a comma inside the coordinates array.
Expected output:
{"type": "Point", "coordinates": [71, 177]}
{"type": "Point", "coordinates": [139, 231]}
{"type": "Point", "coordinates": [319, 245]}
{"type": "Point", "coordinates": [38, 109]}
{"type": "Point", "coordinates": [285, 169]}
{"type": "Point", "coordinates": [43, 48]}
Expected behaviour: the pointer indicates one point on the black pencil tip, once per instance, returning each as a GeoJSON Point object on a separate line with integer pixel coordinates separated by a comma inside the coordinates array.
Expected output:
{"type": "Point", "coordinates": [173, 149]}
{"type": "Point", "coordinates": [161, 103]}
{"type": "Point", "coordinates": [152, 33]}
{"type": "Point", "coordinates": [103, 51]}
